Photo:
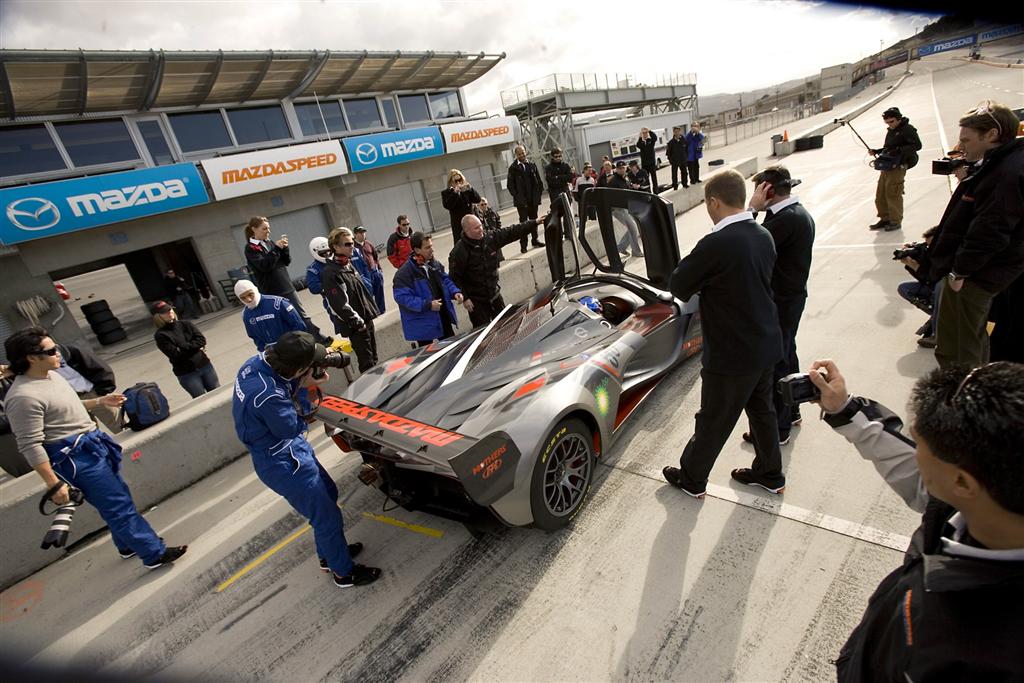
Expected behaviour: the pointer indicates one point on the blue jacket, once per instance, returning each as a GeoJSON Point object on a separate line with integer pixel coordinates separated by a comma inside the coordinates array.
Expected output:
{"type": "Point", "coordinates": [412, 293]}
{"type": "Point", "coordinates": [266, 420]}
{"type": "Point", "coordinates": [272, 317]}
{"type": "Point", "coordinates": [694, 146]}
{"type": "Point", "coordinates": [314, 273]}
{"type": "Point", "coordinates": [363, 268]}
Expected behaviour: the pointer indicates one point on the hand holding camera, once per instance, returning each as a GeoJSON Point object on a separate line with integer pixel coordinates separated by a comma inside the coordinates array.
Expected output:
{"type": "Point", "coordinates": [830, 383]}
{"type": "Point", "coordinates": [67, 498]}
{"type": "Point", "coordinates": [282, 242]}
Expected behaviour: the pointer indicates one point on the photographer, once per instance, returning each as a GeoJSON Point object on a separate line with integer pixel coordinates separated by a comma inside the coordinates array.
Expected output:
{"type": "Point", "coordinates": [922, 292]}
{"type": "Point", "coordinates": [62, 444]}
{"type": "Point", "coordinates": [459, 198]}
{"type": "Point", "coordinates": [558, 175]}
{"type": "Point", "coordinates": [897, 154]}
{"type": "Point", "coordinates": [349, 297]}
{"type": "Point", "coordinates": [952, 610]}
{"type": "Point", "coordinates": [648, 157]}
{"type": "Point", "coordinates": [979, 248]}
{"type": "Point", "coordinates": [268, 390]}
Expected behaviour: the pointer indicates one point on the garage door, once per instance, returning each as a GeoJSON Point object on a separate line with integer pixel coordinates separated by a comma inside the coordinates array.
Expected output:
{"type": "Point", "coordinates": [378, 210]}
{"type": "Point", "coordinates": [482, 178]}
{"type": "Point", "coordinates": [301, 226]}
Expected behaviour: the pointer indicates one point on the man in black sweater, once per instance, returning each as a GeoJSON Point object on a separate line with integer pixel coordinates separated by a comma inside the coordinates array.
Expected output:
{"type": "Point", "coordinates": [558, 175]}
{"type": "Point", "coordinates": [526, 188]}
{"type": "Point", "coordinates": [731, 269]}
{"type": "Point", "coordinates": [648, 159]}
{"type": "Point", "coordinates": [792, 228]}
{"type": "Point", "coordinates": [898, 153]}
{"type": "Point", "coordinates": [677, 156]}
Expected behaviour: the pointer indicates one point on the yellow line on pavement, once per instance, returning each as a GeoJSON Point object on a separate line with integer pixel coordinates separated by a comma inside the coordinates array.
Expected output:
{"type": "Point", "coordinates": [426, 531]}
{"type": "Point", "coordinates": [262, 558]}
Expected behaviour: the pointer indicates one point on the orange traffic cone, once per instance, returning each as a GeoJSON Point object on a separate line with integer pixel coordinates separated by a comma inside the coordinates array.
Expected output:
{"type": "Point", "coordinates": [785, 136]}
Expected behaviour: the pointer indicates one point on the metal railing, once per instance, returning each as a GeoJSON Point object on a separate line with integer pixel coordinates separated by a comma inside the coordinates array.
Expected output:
{"type": "Point", "coordinates": [728, 133]}
{"type": "Point", "coordinates": [571, 82]}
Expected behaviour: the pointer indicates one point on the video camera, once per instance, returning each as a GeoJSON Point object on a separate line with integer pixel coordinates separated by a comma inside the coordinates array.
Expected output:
{"type": "Point", "coordinates": [57, 535]}
{"type": "Point", "coordinates": [333, 359]}
{"type": "Point", "coordinates": [798, 388]}
{"type": "Point", "coordinates": [948, 165]}
{"type": "Point", "coordinates": [915, 251]}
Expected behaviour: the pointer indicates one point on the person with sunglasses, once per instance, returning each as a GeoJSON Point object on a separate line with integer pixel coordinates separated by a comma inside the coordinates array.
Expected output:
{"type": "Point", "coordinates": [979, 247]}
{"type": "Point", "coordinates": [398, 247]}
{"type": "Point", "coordinates": [459, 197]}
{"type": "Point", "coordinates": [558, 175]}
{"type": "Point", "coordinates": [62, 444]}
{"type": "Point", "coordinates": [350, 298]}
{"type": "Point", "coordinates": [951, 610]}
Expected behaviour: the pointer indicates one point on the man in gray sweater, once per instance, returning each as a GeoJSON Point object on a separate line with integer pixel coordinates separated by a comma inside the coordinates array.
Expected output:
{"type": "Point", "coordinates": [62, 444]}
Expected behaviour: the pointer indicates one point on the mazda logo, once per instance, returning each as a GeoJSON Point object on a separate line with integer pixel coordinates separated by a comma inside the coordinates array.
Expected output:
{"type": "Point", "coordinates": [366, 153]}
{"type": "Point", "coordinates": [33, 213]}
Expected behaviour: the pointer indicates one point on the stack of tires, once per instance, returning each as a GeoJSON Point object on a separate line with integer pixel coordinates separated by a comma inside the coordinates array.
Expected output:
{"type": "Point", "coordinates": [104, 324]}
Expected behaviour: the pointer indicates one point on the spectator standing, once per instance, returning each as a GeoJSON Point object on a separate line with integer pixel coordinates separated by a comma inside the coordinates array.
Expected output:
{"type": "Point", "coordinates": [349, 298]}
{"type": "Point", "coordinates": [268, 263]}
{"type": "Point", "coordinates": [424, 293]}
{"type": "Point", "coordinates": [648, 159]}
{"type": "Point", "coordinates": [731, 269]}
{"type": "Point", "coordinates": [900, 149]}
{"type": "Point", "coordinates": [677, 154]}
{"type": "Point", "coordinates": [372, 261]}
{"type": "Point", "coordinates": [265, 316]}
{"type": "Point", "coordinates": [490, 218]}
{"type": "Point", "coordinates": [979, 247]}
{"type": "Point", "coordinates": [474, 266]}
{"type": "Point", "coordinates": [185, 346]}
{"type": "Point", "coordinates": [639, 178]}
{"type": "Point", "coordinates": [459, 197]}
{"type": "Point", "coordinates": [558, 175]}
{"type": "Point", "coordinates": [694, 152]}
{"type": "Point", "coordinates": [525, 186]}
{"type": "Point", "coordinates": [321, 251]}
{"type": "Point", "coordinates": [398, 248]}
{"type": "Point", "coordinates": [586, 180]}
{"type": "Point", "coordinates": [180, 294]}
{"type": "Point", "coordinates": [605, 175]}
{"type": "Point", "coordinates": [629, 245]}
{"type": "Point", "coordinates": [58, 438]}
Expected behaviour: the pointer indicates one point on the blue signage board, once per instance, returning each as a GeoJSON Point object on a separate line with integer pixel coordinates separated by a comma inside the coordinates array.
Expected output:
{"type": "Point", "coordinates": [387, 149]}
{"type": "Point", "coordinates": [946, 45]}
{"type": "Point", "coordinates": [32, 212]}
{"type": "Point", "coordinates": [1001, 32]}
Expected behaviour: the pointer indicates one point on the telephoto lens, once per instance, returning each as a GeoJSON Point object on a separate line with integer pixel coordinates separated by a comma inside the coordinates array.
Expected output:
{"type": "Point", "coordinates": [57, 535]}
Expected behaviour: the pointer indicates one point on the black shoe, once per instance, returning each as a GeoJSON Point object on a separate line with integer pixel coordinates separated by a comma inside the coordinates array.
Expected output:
{"type": "Point", "coordinates": [353, 550]}
{"type": "Point", "coordinates": [538, 243]}
{"type": "Point", "coordinates": [879, 225]}
{"type": "Point", "coordinates": [126, 554]}
{"type": "Point", "coordinates": [171, 554]}
{"type": "Point", "coordinates": [685, 186]}
{"type": "Point", "coordinates": [795, 420]}
{"type": "Point", "coordinates": [361, 575]}
{"type": "Point", "coordinates": [783, 436]}
{"type": "Point", "coordinates": [747, 476]}
{"type": "Point", "coordinates": [924, 330]}
{"type": "Point", "coordinates": [697, 181]}
{"type": "Point", "coordinates": [891, 227]}
{"type": "Point", "coordinates": [522, 250]}
{"type": "Point", "coordinates": [927, 342]}
{"type": "Point", "coordinates": [673, 475]}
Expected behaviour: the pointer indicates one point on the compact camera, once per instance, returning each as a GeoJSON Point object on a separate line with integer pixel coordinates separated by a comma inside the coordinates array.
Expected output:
{"type": "Point", "coordinates": [798, 388]}
{"type": "Point", "coordinates": [948, 165]}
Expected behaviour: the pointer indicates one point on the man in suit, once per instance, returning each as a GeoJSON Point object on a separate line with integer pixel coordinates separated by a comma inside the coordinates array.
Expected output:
{"type": "Point", "coordinates": [732, 270]}
{"type": "Point", "coordinates": [677, 153]}
{"type": "Point", "coordinates": [526, 188]}
{"type": "Point", "coordinates": [792, 228]}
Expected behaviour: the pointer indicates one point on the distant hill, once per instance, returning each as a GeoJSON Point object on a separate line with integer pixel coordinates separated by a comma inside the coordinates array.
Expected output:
{"type": "Point", "coordinates": [712, 104]}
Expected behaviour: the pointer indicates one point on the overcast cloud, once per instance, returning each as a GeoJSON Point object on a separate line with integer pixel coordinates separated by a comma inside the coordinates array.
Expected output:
{"type": "Point", "coordinates": [732, 45]}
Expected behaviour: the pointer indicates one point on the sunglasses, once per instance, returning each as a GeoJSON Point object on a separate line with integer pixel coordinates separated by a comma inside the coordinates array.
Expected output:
{"type": "Point", "coordinates": [986, 109]}
{"type": "Point", "coordinates": [404, 225]}
{"type": "Point", "coordinates": [44, 352]}
{"type": "Point", "coordinates": [346, 244]}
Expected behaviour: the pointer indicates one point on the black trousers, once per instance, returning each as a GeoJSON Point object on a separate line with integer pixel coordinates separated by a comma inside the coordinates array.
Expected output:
{"type": "Point", "coordinates": [527, 213]}
{"type": "Point", "coordinates": [722, 399]}
{"type": "Point", "coordinates": [364, 344]}
{"type": "Point", "coordinates": [653, 170]}
{"type": "Point", "coordinates": [485, 310]}
{"type": "Point", "coordinates": [790, 311]}
{"type": "Point", "coordinates": [694, 168]}
{"type": "Point", "coordinates": [677, 170]}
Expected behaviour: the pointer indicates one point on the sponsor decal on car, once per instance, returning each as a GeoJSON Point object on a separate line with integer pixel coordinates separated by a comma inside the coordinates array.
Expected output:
{"type": "Point", "coordinates": [428, 434]}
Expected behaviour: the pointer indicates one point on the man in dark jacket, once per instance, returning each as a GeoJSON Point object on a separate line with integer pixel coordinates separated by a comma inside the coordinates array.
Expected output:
{"type": "Point", "coordinates": [638, 177]}
{"type": "Point", "coordinates": [648, 159]}
{"type": "Point", "coordinates": [424, 294]}
{"type": "Point", "coordinates": [951, 612]}
{"type": "Point", "coordinates": [792, 230]}
{"type": "Point", "coordinates": [558, 175]}
{"type": "Point", "coordinates": [676, 153]}
{"type": "Point", "coordinates": [180, 294]}
{"type": "Point", "coordinates": [473, 265]}
{"type": "Point", "coordinates": [525, 186]}
{"type": "Point", "coordinates": [350, 300]}
{"type": "Point", "coordinates": [979, 247]}
{"type": "Point", "coordinates": [268, 263]}
{"type": "Point", "coordinates": [898, 153]}
{"type": "Point", "coordinates": [732, 270]}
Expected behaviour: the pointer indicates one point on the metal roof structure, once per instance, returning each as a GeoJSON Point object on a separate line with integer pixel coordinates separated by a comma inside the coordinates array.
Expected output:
{"type": "Point", "coordinates": [37, 83]}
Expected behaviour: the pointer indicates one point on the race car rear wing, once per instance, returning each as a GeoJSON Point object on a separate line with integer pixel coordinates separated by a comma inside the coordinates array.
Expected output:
{"type": "Point", "coordinates": [485, 467]}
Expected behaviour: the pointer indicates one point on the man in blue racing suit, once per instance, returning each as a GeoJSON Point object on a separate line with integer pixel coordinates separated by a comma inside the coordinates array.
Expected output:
{"type": "Point", "coordinates": [269, 389]}
{"type": "Point", "coordinates": [266, 316]}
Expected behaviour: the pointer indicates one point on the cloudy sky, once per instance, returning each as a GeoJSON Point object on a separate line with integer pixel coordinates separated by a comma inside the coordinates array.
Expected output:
{"type": "Point", "coordinates": [732, 45]}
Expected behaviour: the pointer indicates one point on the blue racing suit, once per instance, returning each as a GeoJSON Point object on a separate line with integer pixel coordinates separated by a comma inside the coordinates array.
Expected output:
{"type": "Point", "coordinates": [92, 462]}
{"type": "Point", "coordinates": [267, 422]}
{"type": "Point", "coordinates": [314, 283]}
{"type": "Point", "coordinates": [272, 317]}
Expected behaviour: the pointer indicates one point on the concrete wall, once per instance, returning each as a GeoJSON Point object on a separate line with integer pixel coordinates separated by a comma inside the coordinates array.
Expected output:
{"type": "Point", "coordinates": [19, 284]}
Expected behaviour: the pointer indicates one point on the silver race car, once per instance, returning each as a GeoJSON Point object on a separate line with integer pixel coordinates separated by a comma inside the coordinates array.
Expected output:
{"type": "Point", "coordinates": [504, 425]}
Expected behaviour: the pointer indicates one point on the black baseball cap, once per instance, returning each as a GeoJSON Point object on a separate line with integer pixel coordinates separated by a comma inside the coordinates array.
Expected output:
{"type": "Point", "coordinates": [358, 228]}
{"type": "Point", "coordinates": [298, 349]}
{"type": "Point", "coordinates": [620, 164]}
{"type": "Point", "coordinates": [892, 113]}
{"type": "Point", "coordinates": [634, 162]}
{"type": "Point", "coordinates": [162, 307]}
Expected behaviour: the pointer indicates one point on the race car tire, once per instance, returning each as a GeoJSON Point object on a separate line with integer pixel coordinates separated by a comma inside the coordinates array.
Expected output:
{"type": "Point", "coordinates": [112, 337]}
{"type": "Point", "coordinates": [95, 307]}
{"type": "Point", "coordinates": [562, 475]}
{"type": "Point", "coordinates": [106, 327]}
{"type": "Point", "coordinates": [101, 317]}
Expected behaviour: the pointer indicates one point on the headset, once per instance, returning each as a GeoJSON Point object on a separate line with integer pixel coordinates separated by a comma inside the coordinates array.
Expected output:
{"type": "Point", "coordinates": [776, 180]}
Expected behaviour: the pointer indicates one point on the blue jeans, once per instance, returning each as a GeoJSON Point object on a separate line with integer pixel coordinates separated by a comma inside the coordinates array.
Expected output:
{"type": "Point", "coordinates": [198, 382]}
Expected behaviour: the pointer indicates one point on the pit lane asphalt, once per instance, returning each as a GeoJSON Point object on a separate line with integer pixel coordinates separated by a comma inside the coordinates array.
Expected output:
{"type": "Point", "coordinates": [647, 584]}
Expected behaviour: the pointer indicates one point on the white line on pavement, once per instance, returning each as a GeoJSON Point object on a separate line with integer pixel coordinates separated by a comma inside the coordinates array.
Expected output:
{"type": "Point", "coordinates": [867, 245]}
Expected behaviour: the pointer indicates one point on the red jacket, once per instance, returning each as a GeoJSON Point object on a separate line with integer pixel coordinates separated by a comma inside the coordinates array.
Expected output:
{"type": "Point", "coordinates": [399, 248]}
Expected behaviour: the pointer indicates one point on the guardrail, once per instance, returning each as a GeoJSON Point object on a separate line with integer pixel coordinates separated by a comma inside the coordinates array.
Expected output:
{"type": "Point", "coordinates": [581, 82]}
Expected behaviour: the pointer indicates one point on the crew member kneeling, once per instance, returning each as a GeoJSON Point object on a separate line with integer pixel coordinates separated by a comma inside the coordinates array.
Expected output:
{"type": "Point", "coordinates": [268, 392]}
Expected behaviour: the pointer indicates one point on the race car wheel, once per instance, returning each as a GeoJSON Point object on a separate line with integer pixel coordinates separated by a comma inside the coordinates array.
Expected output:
{"type": "Point", "coordinates": [562, 475]}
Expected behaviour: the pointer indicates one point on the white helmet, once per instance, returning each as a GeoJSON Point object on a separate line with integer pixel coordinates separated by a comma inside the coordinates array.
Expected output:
{"type": "Point", "coordinates": [318, 246]}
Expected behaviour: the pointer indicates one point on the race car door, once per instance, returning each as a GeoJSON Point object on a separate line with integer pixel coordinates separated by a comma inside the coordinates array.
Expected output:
{"type": "Point", "coordinates": [563, 257]}
{"type": "Point", "coordinates": [629, 219]}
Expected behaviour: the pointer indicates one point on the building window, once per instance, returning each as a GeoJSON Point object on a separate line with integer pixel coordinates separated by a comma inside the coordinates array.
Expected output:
{"type": "Point", "coordinates": [28, 149]}
{"type": "Point", "coordinates": [390, 115]}
{"type": "Point", "coordinates": [363, 114]}
{"type": "Point", "coordinates": [89, 143]}
{"type": "Point", "coordinates": [414, 108]}
{"type": "Point", "coordinates": [199, 131]}
{"type": "Point", "coordinates": [156, 143]}
{"type": "Point", "coordinates": [312, 118]}
{"type": "Point", "coordinates": [259, 124]}
{"type": "Point", "coordinates": [445, 105]}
